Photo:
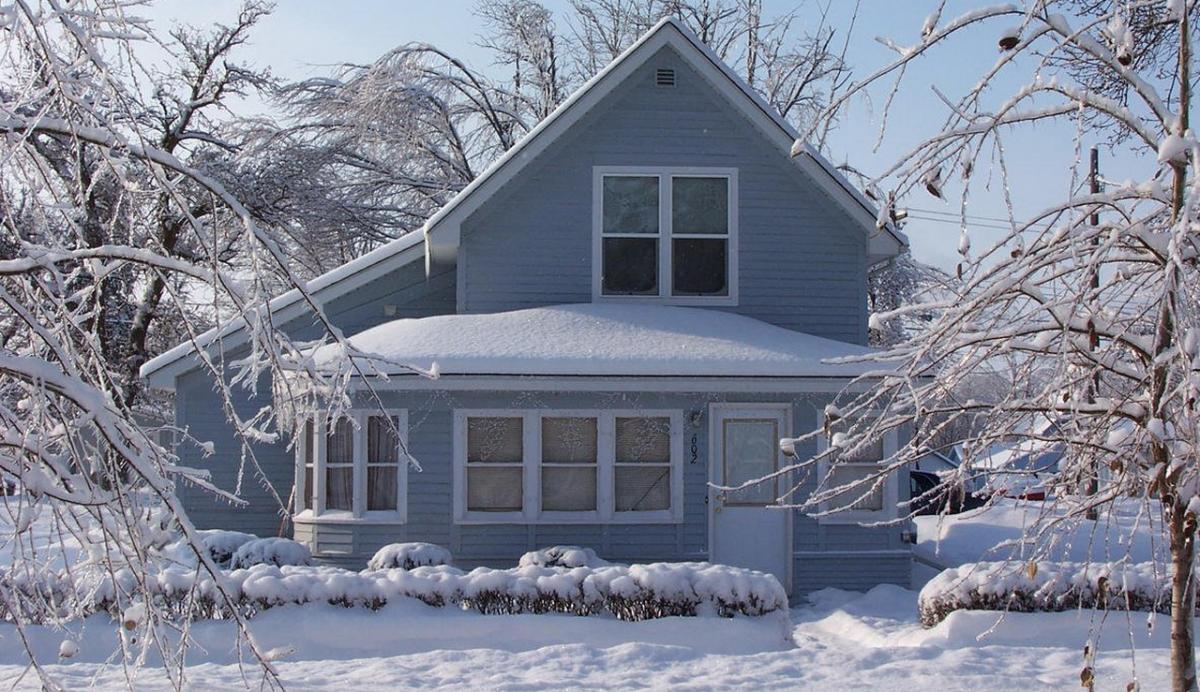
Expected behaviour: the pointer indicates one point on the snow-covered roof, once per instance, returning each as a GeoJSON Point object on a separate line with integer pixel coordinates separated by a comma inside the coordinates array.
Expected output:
{"type": "Point", "coordinates": [602, 339]}
{"type": "Point", "coordinates": [397, 253]}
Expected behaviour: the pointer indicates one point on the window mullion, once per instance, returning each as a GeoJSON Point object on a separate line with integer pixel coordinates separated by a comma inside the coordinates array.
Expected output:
{"type": "Point", "coordinates": [605, 457]}
{"type": "Point", "coordinates": [358, 459]}
{"type": "Point", "coordinates": [531, 465]}
{"type": "Point", "coordinates": [322, 443]}
{"type": "Point", "coordinates": [664, 235]}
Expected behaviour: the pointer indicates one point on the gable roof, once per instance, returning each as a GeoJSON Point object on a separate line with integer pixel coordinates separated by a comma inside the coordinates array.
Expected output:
{"type": "Point", "coordinates": [438, 239]}
{"type": "Point", "coordinates": [442, 230]}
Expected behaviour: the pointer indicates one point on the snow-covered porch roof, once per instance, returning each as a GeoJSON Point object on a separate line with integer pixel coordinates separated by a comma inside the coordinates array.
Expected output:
{"type": "Point", "coordinates": [602, 340]}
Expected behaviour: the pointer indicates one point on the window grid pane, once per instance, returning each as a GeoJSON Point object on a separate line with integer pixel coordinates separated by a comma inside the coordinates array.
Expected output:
{"type": "Point", "coordinates": [381, 487]}
{"type": "Point", "coordinates": [568, 440]}
{"type": "Point", "coordinates": [630, 266]}
{"type": "Point", "coordinates": [844, 474]}
{"type": "Point", "coordinates": [569, 488]}
{"type": "Point", "coordinates": [339, 488]}
{"type": "Point", "coordinates": [339, 443]}
{"type": "Point", "coordinates": [643, 440]}
{"type": "Point", "coordinates": [495, 488]}
{"type": "Point", "coordinates": [642, 487]}
{"type": "Point", "coordinates": [700, 266]}
{"type": "Point", "coordinates": [495, 440]}
{"type": "Point", "coordinates": [630, 204]}
{"type": "Point", "coordinates": [383, 446]}
{"type": "Point", "coordinates": [700, 206]}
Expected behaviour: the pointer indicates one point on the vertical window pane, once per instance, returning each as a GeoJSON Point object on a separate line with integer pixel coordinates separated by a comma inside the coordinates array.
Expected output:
{"type": "Point", "coordinates": [340, 443]}
{"type": "Point", "coordinates": [382, 444]}
{"type": "Point", "coordinates": [495, 440]}
{"type": "Point", "coordinates": [381, 487]}
{"type": "Point", "coordinates": [568, 440]}
{"type": "Point", "coordinates": [309, 490]}
{"type": "Point", "coordinates": [630, 266]}
{"type": "Point", "coordinates": [750, 451]}
{"type": "Point", "coordinates": [843, 474]}
{"type": "Point", "coordinates": [643, 440]}
{"type": "Point", "coordinates": [307, 442]}
{"type": "Point", "coordinates": [700, 205]}
{"type": "Point", "coordinates": [630, 204]}
{"type": "Point", "coordinates": [339, 487]}
{"type": "Point", "coordinates": [699, 266]}
{"type": "Point", "coordinates": [496, 489]}
{"type": "Point", "coordinates": [642, 488]}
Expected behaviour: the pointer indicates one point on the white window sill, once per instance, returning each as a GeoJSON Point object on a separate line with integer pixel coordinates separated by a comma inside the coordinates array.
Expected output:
{"type": "Point", "coordinates": [685, 301]}
{"type": "Point", "coordinates": [853, 518]}
{"type": "Point", "coordinates": [560, 519]}
{"type": "Point", "coordinates": [308, 518]}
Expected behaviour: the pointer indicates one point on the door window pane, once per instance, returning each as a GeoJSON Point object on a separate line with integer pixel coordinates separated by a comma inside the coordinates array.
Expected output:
{"type": "Point", "coordinates": [569, 488]}
{"type": "Point", "coordinates": [494, 489]}
{"type": "Point", "coordinates": [642, 488]}
{"type": "Point", "coordinates": [643, 440]}
{"type": "Point", "coordinates": [630, 204]}
{"type": "Point", "coordinates": [700, 205]}
{"type": "Point", "coordinates": [495, 440]}
{"type": "Point", "coordinates": [750, 452]}
{"type": "Point", "coordinates": [630, 266]}
{"type": "Point", "coordinates": [699, 266]}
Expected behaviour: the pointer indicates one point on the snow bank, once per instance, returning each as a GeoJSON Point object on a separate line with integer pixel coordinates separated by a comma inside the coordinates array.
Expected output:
{"type": "Point", "coordinates": [270, 551]}
{"type": "Point", "coordinates": [409, 555]}
{"type": "Point", "coordinates": [1045, 587]}
{"type": "Point", "coordinates": [562, 556]}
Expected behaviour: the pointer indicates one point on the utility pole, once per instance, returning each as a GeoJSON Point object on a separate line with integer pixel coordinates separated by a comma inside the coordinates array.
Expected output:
{"type": "Point", "coordinates": [1092, 483]}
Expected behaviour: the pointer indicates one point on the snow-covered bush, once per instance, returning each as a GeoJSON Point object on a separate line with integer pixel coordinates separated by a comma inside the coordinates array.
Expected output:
{"type": "Point", "coordinates": [634, 592]}
{"type": "Point", "coordinates": [1045, 587]}
{"type": "Point", "coordinates": [222, 545]}
{"type": "Point", "coordinates": [270, 551]}
{"type": "Point", "coordinates": [409, 555]}
{"type": "Point", "coordinates": [562, 556]}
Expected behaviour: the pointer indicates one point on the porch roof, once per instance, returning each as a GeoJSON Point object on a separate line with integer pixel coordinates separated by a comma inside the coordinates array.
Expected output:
{"type": "Point", "coordinates": [601, 339]}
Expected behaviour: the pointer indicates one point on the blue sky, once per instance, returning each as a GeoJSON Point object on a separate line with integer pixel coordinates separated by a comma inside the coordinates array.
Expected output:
{"type": "Point", "coordinates": [304, 37]}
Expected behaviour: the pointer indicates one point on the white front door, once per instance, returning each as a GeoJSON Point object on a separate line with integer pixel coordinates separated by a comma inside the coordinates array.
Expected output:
{"type": "Point", "coordinates": [743, 529]}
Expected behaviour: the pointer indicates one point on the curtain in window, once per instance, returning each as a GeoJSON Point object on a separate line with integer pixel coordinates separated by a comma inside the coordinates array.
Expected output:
{"type": "Point", "coordinates": [383, 452]}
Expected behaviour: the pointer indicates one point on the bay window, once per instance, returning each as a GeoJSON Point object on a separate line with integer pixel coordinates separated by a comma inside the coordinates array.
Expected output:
{"type": "Point", "coordinates": [666, 234]}
{"type": "Point", "coordinates": [568, 466]}
{"type": "Point", "coordinates": [352, 468]}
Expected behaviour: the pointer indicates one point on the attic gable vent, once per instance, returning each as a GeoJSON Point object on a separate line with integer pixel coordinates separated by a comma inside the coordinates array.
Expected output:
{"type": "Point", "coordinates": [664, 77]}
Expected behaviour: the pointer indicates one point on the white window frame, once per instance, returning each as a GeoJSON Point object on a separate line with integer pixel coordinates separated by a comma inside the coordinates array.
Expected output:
{"type": "Point", "coordinates": [665, 174]}
{"type": "Point", "coordinates": [531, 513]}
{"type": "Point", "coordinates": [359, 513]}
{"type": "Point", "coordinates": [891, 486]}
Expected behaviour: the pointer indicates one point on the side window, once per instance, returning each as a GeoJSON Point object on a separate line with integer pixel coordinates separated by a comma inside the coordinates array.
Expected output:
{"type": "Point", "coordinates": [495, 454]}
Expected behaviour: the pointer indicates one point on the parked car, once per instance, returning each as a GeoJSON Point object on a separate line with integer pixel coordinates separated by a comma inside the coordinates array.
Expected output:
{"type": "Point", "coordinates": [932, 496]}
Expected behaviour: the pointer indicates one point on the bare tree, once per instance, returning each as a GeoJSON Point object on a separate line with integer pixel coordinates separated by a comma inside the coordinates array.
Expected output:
{"type": "Point", "coordinates": [1113, 366]}
{"type": "Point", "coordinates": [111, 220]}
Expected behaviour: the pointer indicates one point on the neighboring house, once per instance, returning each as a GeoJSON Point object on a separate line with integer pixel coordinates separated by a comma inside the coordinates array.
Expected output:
{"type": "Point", "coordinates": [633, 302]}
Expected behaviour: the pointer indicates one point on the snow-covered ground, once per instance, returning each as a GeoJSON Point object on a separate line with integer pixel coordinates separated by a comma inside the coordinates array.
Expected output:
{"type": "Point", "coordinates": [1130, 530]}
{"type": "Point", "coordinates": [843, 640]}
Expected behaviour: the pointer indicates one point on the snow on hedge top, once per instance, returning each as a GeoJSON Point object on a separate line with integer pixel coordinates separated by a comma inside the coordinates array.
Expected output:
{"type": "Point", "coordinates": [601, 339]}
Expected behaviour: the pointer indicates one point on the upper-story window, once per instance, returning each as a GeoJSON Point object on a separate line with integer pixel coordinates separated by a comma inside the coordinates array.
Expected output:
{"type": "Point", "coordinates": [666, 234]}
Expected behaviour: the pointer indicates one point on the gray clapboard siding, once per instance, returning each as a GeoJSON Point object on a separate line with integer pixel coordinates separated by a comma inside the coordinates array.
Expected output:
{"type": "Point", "coordinates": [500, 545]}
{"type": "Point", "coordinates": [802, 262]}
{"type": "Point", "coordinates": [200, 409]}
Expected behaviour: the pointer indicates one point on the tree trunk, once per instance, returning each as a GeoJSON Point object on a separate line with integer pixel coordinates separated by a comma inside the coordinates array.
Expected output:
{"type": "Point", "coordinates": [1183, 600]}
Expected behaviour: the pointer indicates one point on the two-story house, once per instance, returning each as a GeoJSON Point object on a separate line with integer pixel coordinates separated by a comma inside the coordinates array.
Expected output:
{"type": "Point", "coordinates": [632, 305]}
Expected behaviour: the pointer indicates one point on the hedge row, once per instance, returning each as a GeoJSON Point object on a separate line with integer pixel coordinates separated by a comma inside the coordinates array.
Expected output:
{"type": "Point", "coordinates": [1045, 587]}
{"type": "Point", "coordinates": [634, 592]}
